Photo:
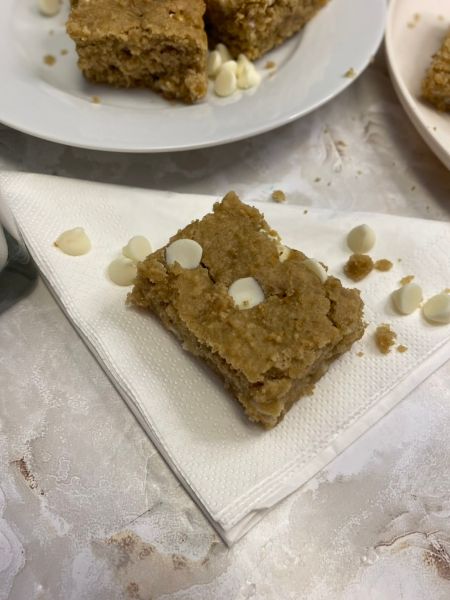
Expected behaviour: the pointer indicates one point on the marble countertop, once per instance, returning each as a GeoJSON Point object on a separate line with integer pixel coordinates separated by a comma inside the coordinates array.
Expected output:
{"type": "Point", "coordinates": [89, 510]}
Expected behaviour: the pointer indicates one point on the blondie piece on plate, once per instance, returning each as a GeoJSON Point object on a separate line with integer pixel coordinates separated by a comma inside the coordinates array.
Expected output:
{"type": "Point", "coordinates": [254, 27]}
{"type": "Point", "coordinates": [254, 310]}
{"type": "Point", "coordinates": [160, 44]}
{"type": "Point", "coordinates": [436, 85]}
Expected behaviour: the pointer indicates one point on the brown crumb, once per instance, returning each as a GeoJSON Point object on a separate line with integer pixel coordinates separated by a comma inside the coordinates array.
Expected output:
{"type": "Point", "coordinates": [270, 65]}
{"type": "Point", "coordinates": [441, 18]}
{"type": "Point", "coordinates": [51, 32]}
{"type": "Point", "coordinates": [359, 172]}
{"type": "Point", "coordinates": [413, 187]}
{"type": "Point", "coordinates": [49, 60]}
{"type": "Point", "coordinates": [406, 279]}
{"type": "Point", "coordinates": [278, 196]}
{"type": "Point", "coordinates": [360, 354]}
{"type": "Point", "coordinates": [350, 73]}
{"type": "Point", "coordinates": [383, 264]}
{"type": "Point", "coordinates": [305, 212]}
{"type": "Point", "coordinates": [317, 179]}
{"type": "Point", "coordinates": [401, 348]}
{"type": "Point", "coordinates": [64, 51]}
{"type": "Point", "coordinates": [385, 338]}
{"type": "Point", "coordinates": [95, 100]}
{"type": "Point", "coordinates": [358, 266]}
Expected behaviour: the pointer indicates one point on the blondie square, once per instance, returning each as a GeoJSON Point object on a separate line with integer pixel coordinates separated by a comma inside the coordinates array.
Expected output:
{"type": "Point", "coordinates": [254, 27]}
{"type": "Point", "coordinates": [160, 44]}
{"type": "Point", "coordinates": [268, 354]}
{"type": "Point", "coordinates": [436, 85]}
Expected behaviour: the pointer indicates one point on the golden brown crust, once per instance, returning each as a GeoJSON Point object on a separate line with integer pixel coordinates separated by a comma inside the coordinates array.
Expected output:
{"type": "Point", "coordinates": [255, 27]}
{"type": "Point", "coordinates": [268, 355]}
{"type": "Point", "coordinates": [436, 85]}
{"type": "Point", "coordinates": [160, 44]}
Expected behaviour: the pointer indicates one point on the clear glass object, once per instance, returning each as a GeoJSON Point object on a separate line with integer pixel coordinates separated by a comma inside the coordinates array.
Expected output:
{"type": "Point", "coordinates": [17, 270]}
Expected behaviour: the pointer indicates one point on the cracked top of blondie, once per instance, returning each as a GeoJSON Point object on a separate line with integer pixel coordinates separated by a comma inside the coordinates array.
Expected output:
{"type": "Point", "coordinates": [299, 320]}
{"type": "Point", "coordinates": [115, 18]}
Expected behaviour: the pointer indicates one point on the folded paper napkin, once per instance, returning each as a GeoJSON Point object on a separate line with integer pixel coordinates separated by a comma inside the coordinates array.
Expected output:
{"type": "Point", "coordinates": [234, 470]}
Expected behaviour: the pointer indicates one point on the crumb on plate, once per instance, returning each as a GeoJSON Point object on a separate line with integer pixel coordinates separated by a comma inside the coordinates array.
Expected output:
{"type": "Point", "coordinates": [383, 264]}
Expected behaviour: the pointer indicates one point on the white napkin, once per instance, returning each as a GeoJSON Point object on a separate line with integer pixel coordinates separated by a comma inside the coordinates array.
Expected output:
{"type": "Point", "coordinates": [234, 470]}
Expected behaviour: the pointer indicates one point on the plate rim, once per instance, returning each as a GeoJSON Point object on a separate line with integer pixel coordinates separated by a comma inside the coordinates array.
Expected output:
{"type": "Point", "coordinates": [257, 129]}
{"type": "Point", "coordinates": [407, 100]}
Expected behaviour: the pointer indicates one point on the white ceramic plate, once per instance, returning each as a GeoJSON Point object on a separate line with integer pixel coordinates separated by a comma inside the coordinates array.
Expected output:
{"type": "Point", "coordinates": [410, 42]}
{"type": "Point", "coordinates": [54, 102]}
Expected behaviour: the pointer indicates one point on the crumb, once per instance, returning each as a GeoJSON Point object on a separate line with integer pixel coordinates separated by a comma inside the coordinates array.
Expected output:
{"type": "Point", "coordinates": [359, 172]}
{"type": "Point", "coordinates": [401, 348]}
{"type": "Point", "coordinates": [95, 100]}
{"type": "Point", "coordinates": [49, 60]}
{"type": "Point", "coordinates": [406, 279]}
{"type": "Point", "coordinates": [350, 73]}
{"type": "Point", "coordinates": [305, 212]}
{"type": "Point", "coordinates": [329, 183]}
{"type": "Point", "coordinates": [360, 354]}
{"type": "Point", "coordinates": [358, 266]}
{"type": "Point", "coordinates": [270, 65]}
{"type": "Point", "coordinates": [278, 196]}
{"type": "Point", "coordinates": [64, 51]}
{"type": "Point", "coordinates": [399, 260]}
{"type": "Point", "coordinates": [385, 338]}
{"type": "Point", "coordinates": [434, 128]}
{"type": "Point", "coordinates": [317, 179]}
{"type": "Point", "coordinates": [51, 32]}
{"type": "Point", "coordinates": [427, 207]}
{"type": "Point", "coordinates": [441, 18]}
{"type": "Point", "coordinates": [413, 187]}
{"type": "Point", "coordinates": [383, 264]}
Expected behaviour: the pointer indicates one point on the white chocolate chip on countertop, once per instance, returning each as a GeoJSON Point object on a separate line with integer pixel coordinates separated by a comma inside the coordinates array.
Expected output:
{"type": "Point", "coordinates": [315, 267]}
{"type": "Point", "coordinates": [225, 83]}
{"type": "Point", "coordinates": [246, 293]}
{"type": "Point", "coordinates": [187, 253]}
{"type": "Point", "coordinates": [74, 242]}
{"type": "Point", "coordinates": [214, 63]}
{"type": "Point", "coordinates": [224, 53]}
{"type": "Point", "coordinates": [437, 309]}
{"type": "Point", "coordinates": [407, 298]}
{"type": "Point", "coordinates": [49, 8]}
{"type": "Point", "coordinates": [137, 249]}
{"type": "Point", "coordinates": [361, 239]}
{"type": "Point", "coordinates": [122, 271]}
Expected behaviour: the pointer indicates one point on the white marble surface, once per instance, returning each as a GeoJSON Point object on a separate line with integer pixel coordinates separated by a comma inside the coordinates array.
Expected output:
{"type": "Point", "coordinates": [88, 509]}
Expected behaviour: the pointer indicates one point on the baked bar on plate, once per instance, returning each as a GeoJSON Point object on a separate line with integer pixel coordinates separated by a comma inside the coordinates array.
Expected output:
{"type": "Point", "coordinates": [268, 320]}
{"type": "Point", "coordinates": [160, 44]}
{"type": "Point", "coordinates": [436, 85]}
{"type": "Point", "coordinates": [253, 27]}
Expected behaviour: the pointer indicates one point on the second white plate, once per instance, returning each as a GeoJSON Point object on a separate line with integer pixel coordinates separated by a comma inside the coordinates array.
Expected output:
{"type": "Point", "coordinates": [415, 30]}
{"type": "Point", "coordinates": [55, 102]}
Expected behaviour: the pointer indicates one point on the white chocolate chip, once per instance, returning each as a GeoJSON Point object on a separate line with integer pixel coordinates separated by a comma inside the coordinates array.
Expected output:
{"type": "Point", "coordinates": [407, 298]}
{"type": "Point", "coordinates": [49, 8]}
{"type": "Point", "coordinates": [361, 239]}
{"type": "Point", "coordinates": [187, 253]}
{"type": "Point", "coordinates": [247, 75]}
{"type": "Point", "coordinates": [74, 242]}
{"type": "Point", "coordinates": [437, 309]}
{"type": "Point", "coordinates": [246, 293]}
{"type": "Point", "coordinates": [283, 252]}
{"type": "Point", "coordinates": [122, 271]}
{"type": "Point", "coordinates": [230, 65]}
{"type": "Point", "coordinates": [214, 63]}
{"type": "Point", "coordinates": [225, 83]}
{"type": "Point", "coordinates": [315, 267]}
{"type": "Point", "coordinates": [224, 52]}
{"type": "Point", "coordinates": [137, 249]}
